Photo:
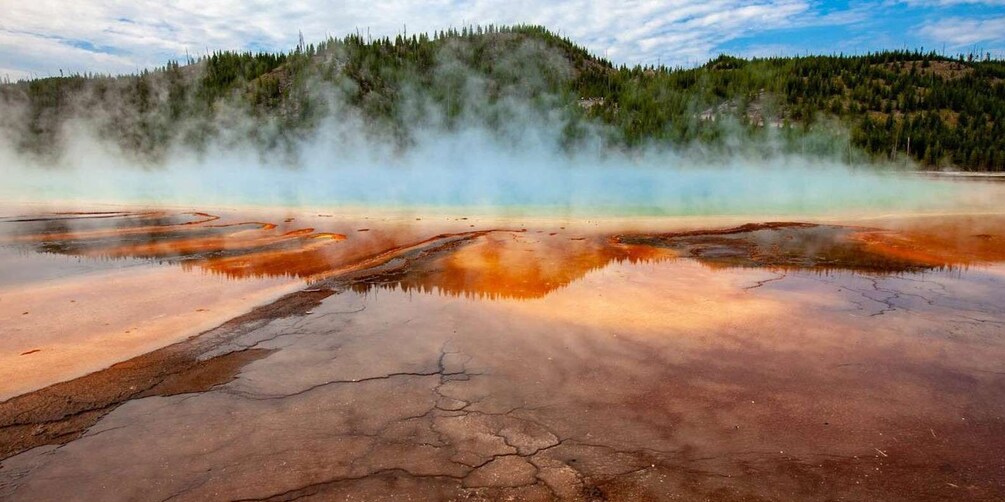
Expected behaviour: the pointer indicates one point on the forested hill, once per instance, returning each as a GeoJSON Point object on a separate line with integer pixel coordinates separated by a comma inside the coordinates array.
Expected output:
{"type": "Point", "coordinates": [941, 112]}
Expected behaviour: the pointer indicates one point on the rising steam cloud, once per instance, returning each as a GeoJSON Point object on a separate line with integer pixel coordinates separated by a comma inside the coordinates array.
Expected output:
{"type": "Point", "coordinates": [504, 154]}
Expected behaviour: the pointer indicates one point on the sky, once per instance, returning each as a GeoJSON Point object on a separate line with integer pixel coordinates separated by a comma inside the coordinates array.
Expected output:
{"type": "Point", "coordinates": [39, 38]}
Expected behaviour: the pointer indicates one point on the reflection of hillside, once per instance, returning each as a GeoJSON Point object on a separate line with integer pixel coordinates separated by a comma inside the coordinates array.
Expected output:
{"type": "Point", "coordinates": [947, 244]}
{"type": "Point", "coordinates": [515, 266]}
{"type": "Point", "coordinates": [502, 264]}
{"type": "Point", "coordinates": [303, 258]}
{"type": "Point", "coordinates": [958, 240]}
{"type": "Point", "coordinates": [505, 264]}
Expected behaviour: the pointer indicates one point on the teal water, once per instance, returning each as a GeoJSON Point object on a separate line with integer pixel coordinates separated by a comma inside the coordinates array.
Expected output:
{"type": "Point", "coordinates": [571, 190]}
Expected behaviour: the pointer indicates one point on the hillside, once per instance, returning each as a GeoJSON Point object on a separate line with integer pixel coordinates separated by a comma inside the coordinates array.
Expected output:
{"type": "Point", "coordinates": [939, 112]}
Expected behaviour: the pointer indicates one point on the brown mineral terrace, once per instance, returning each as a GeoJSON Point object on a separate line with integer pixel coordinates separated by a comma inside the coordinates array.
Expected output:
{"type": "Point", "coordinates": [462, 357]}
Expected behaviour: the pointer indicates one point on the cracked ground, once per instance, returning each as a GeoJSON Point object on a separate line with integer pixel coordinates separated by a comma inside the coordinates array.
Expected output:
{"type": "Point", "coordinates": [638, 379]}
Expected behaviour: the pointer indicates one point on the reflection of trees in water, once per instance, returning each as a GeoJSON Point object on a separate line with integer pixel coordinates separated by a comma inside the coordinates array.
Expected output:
{"type": "Point", "coordinates": [502, 264]}
{"type": "Point", "coordinates": [497, 267]}
{"type": "Point", "coordinates": [823, 248]}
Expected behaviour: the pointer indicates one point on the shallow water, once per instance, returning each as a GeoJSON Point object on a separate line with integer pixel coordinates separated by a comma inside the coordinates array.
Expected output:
{"type": "Point", "coordinates": [525, 185]}
{"type": "Point", "coordinates": [535, 358]}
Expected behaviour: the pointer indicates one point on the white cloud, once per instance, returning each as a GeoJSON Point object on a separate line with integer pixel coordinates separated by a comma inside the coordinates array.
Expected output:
{"type": "Point", "coordinates": [44, 35]}
{"type": "Point", "coordinates": [950, 3]}
{"type": "Point", "coordinates": [41, 36]}
{"type": "Point", "coordinates": [959, 32]}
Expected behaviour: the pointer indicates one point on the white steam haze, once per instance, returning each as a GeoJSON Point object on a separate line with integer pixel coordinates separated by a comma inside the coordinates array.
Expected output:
{"type": "Point", "coordinates": [470, 169]}
{"type": "Point", "coordinates": [518, 165]}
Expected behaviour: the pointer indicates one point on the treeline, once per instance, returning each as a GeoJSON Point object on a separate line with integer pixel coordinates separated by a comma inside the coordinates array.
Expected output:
{"type": "Point", "coordinates": [937, 111]}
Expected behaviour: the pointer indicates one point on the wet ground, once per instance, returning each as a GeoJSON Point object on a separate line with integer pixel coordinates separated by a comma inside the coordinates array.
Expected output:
{"type": "Point", "coordinates": [434, 357]}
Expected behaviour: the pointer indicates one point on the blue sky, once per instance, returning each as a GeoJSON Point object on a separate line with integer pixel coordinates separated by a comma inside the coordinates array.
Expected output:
{"type": "Point", "coordinates": [41, 37]}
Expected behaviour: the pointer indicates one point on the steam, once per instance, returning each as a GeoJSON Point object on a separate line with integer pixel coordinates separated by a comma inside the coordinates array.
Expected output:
{"type": "Point", "coordinates": [507, 150]}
